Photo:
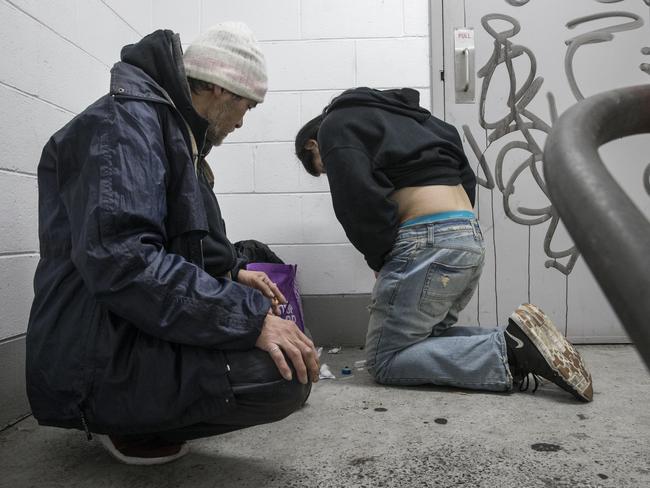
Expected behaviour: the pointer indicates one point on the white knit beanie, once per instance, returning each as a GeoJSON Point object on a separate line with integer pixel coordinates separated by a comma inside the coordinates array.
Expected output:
{"type": "Point", "coordinates": [229, 56]}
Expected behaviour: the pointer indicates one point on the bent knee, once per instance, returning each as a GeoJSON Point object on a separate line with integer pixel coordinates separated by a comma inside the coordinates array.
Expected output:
{"type": "Point", "coordinates": [298, 393]}
{"type": "Point", "coordinates": [287, 397]}
{"type": "Point", "coordinates": [379, 372]}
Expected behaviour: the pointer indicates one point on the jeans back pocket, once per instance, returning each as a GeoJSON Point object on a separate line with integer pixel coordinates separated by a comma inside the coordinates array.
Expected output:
{"type": "Point", "coordinates": [444, 285]}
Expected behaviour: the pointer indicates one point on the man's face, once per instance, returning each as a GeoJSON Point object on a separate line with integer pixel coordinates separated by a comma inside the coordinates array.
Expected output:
{"type": "Point", "coordinates": [225, 114]}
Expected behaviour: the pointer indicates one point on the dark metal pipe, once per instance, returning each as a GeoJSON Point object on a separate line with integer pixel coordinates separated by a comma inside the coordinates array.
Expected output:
{"type": "Point", "coordinates": [609, 230]}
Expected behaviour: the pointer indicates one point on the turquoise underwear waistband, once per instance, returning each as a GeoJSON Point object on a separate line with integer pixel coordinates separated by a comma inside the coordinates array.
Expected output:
{"type": "Point", "coordinates": [437, 217]}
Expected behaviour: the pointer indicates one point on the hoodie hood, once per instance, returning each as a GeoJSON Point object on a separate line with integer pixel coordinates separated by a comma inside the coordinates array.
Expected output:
{"type": "Point", "coordinates": [160, 56]}
{"type": "Point", "coordinates": [403, 101]}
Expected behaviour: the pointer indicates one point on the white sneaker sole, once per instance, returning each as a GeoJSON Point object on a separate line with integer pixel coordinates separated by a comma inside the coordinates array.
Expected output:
{"type": "Point", "coordinates": [136, 461]}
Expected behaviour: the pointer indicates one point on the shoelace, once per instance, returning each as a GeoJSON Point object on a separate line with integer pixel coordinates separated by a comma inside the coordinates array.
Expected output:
{"type": "Point", "coordinates": [520, 370]}
{"type": "Point", "coordinates": [524, 384]}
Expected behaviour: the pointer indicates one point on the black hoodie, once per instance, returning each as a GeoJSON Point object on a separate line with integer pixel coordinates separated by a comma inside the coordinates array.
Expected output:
{"type": "Point", "coordinates": [374, 142]}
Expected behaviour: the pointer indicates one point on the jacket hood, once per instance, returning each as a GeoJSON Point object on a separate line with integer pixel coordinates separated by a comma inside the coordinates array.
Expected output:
{"type": "Point", "coordinates": [160, 56]}
{"type": "Point", "coordinates": [403, 101]}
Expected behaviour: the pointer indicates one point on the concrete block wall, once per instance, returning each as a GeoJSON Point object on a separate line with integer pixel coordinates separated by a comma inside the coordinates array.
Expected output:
{"type": "Point", "coordinates": [56, 61]}
{"type": "Point", "coordinates": [315, 49]}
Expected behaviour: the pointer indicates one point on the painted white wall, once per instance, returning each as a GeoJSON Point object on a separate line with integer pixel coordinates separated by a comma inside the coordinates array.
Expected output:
{"type": "Point", "coordinates": [56, 58]}
{"type": "Point", "coordinates": [315, 49]}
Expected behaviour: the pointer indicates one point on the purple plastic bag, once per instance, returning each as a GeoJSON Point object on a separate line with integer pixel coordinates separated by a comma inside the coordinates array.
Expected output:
{"type": "Point", "coordinates": [284, 276]}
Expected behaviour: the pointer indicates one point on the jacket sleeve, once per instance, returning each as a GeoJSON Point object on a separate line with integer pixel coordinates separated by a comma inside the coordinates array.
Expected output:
{"type": "Point", "coordinates": [239, 265]}
{"type": "Point", "coordinates": [117, 205]}
{"type": "Point", "coordinates": [361, 204]}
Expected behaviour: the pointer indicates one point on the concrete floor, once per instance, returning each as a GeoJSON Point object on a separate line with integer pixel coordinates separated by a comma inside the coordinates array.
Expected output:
{"type": "Point", "coordinates": [354, 433]}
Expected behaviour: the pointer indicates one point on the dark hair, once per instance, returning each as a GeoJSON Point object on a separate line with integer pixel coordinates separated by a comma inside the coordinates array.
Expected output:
{"type": "Point", "coordinates": [198, 86]}
{"type": "Point", "coordinates": [308, 131]}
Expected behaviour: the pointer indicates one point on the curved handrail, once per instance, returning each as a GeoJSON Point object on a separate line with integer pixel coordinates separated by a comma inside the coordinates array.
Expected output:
{"type": "Point", "coordinates": [610, 231]}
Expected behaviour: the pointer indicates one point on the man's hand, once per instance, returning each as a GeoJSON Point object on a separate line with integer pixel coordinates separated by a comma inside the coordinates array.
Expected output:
{"type": "Point", "coordinates": [278, 336]}
{"type": "Point", "coordinates": [260, 281]}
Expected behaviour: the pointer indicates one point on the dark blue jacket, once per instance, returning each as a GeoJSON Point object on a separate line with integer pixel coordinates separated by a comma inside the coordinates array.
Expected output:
{"type": "Point", "coordinates": [127, 329]}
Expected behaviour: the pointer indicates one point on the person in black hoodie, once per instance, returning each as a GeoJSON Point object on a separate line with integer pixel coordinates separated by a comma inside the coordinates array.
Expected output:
{"type": "Point", "coordinates": [144, 330]}
{"type": "Point", "coordinates": [403, 191]}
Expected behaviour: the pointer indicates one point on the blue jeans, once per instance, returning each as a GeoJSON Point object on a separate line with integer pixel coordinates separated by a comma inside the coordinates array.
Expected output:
{"type": "Point", "coordinates": [427, 279]}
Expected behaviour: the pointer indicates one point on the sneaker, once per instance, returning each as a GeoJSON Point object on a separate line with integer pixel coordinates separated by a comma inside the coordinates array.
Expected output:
{"type": "Point", "coordinates": [536, 347]}
{"type": "Point", "coordinates": [146, 451]}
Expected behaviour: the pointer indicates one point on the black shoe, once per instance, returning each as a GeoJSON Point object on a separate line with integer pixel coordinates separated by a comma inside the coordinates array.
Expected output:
{"type": "Point", "coordinates": [536, 347]}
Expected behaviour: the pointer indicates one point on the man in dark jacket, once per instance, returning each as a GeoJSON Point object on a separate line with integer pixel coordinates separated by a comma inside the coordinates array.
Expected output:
{"type": "Point", "coordinates": [403, 191]}
{"type": "Point", "coordinates": [143, 328]}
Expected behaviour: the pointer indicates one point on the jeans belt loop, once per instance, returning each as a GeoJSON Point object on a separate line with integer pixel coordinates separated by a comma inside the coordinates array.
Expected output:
{"type": "Point", "coordinates": [431, 234]}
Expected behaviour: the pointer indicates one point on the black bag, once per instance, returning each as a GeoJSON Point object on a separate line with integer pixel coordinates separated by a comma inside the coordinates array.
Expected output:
{"type": "Point", "coordinates": [256, 252]}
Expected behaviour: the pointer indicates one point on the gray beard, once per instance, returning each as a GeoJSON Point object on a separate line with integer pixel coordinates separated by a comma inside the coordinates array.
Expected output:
{"type": "Point", "coordinates": [214, 136]}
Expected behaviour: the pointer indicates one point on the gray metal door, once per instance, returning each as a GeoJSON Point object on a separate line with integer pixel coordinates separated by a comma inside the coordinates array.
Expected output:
{"type": "Point", "coordinates": [529, 61]}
